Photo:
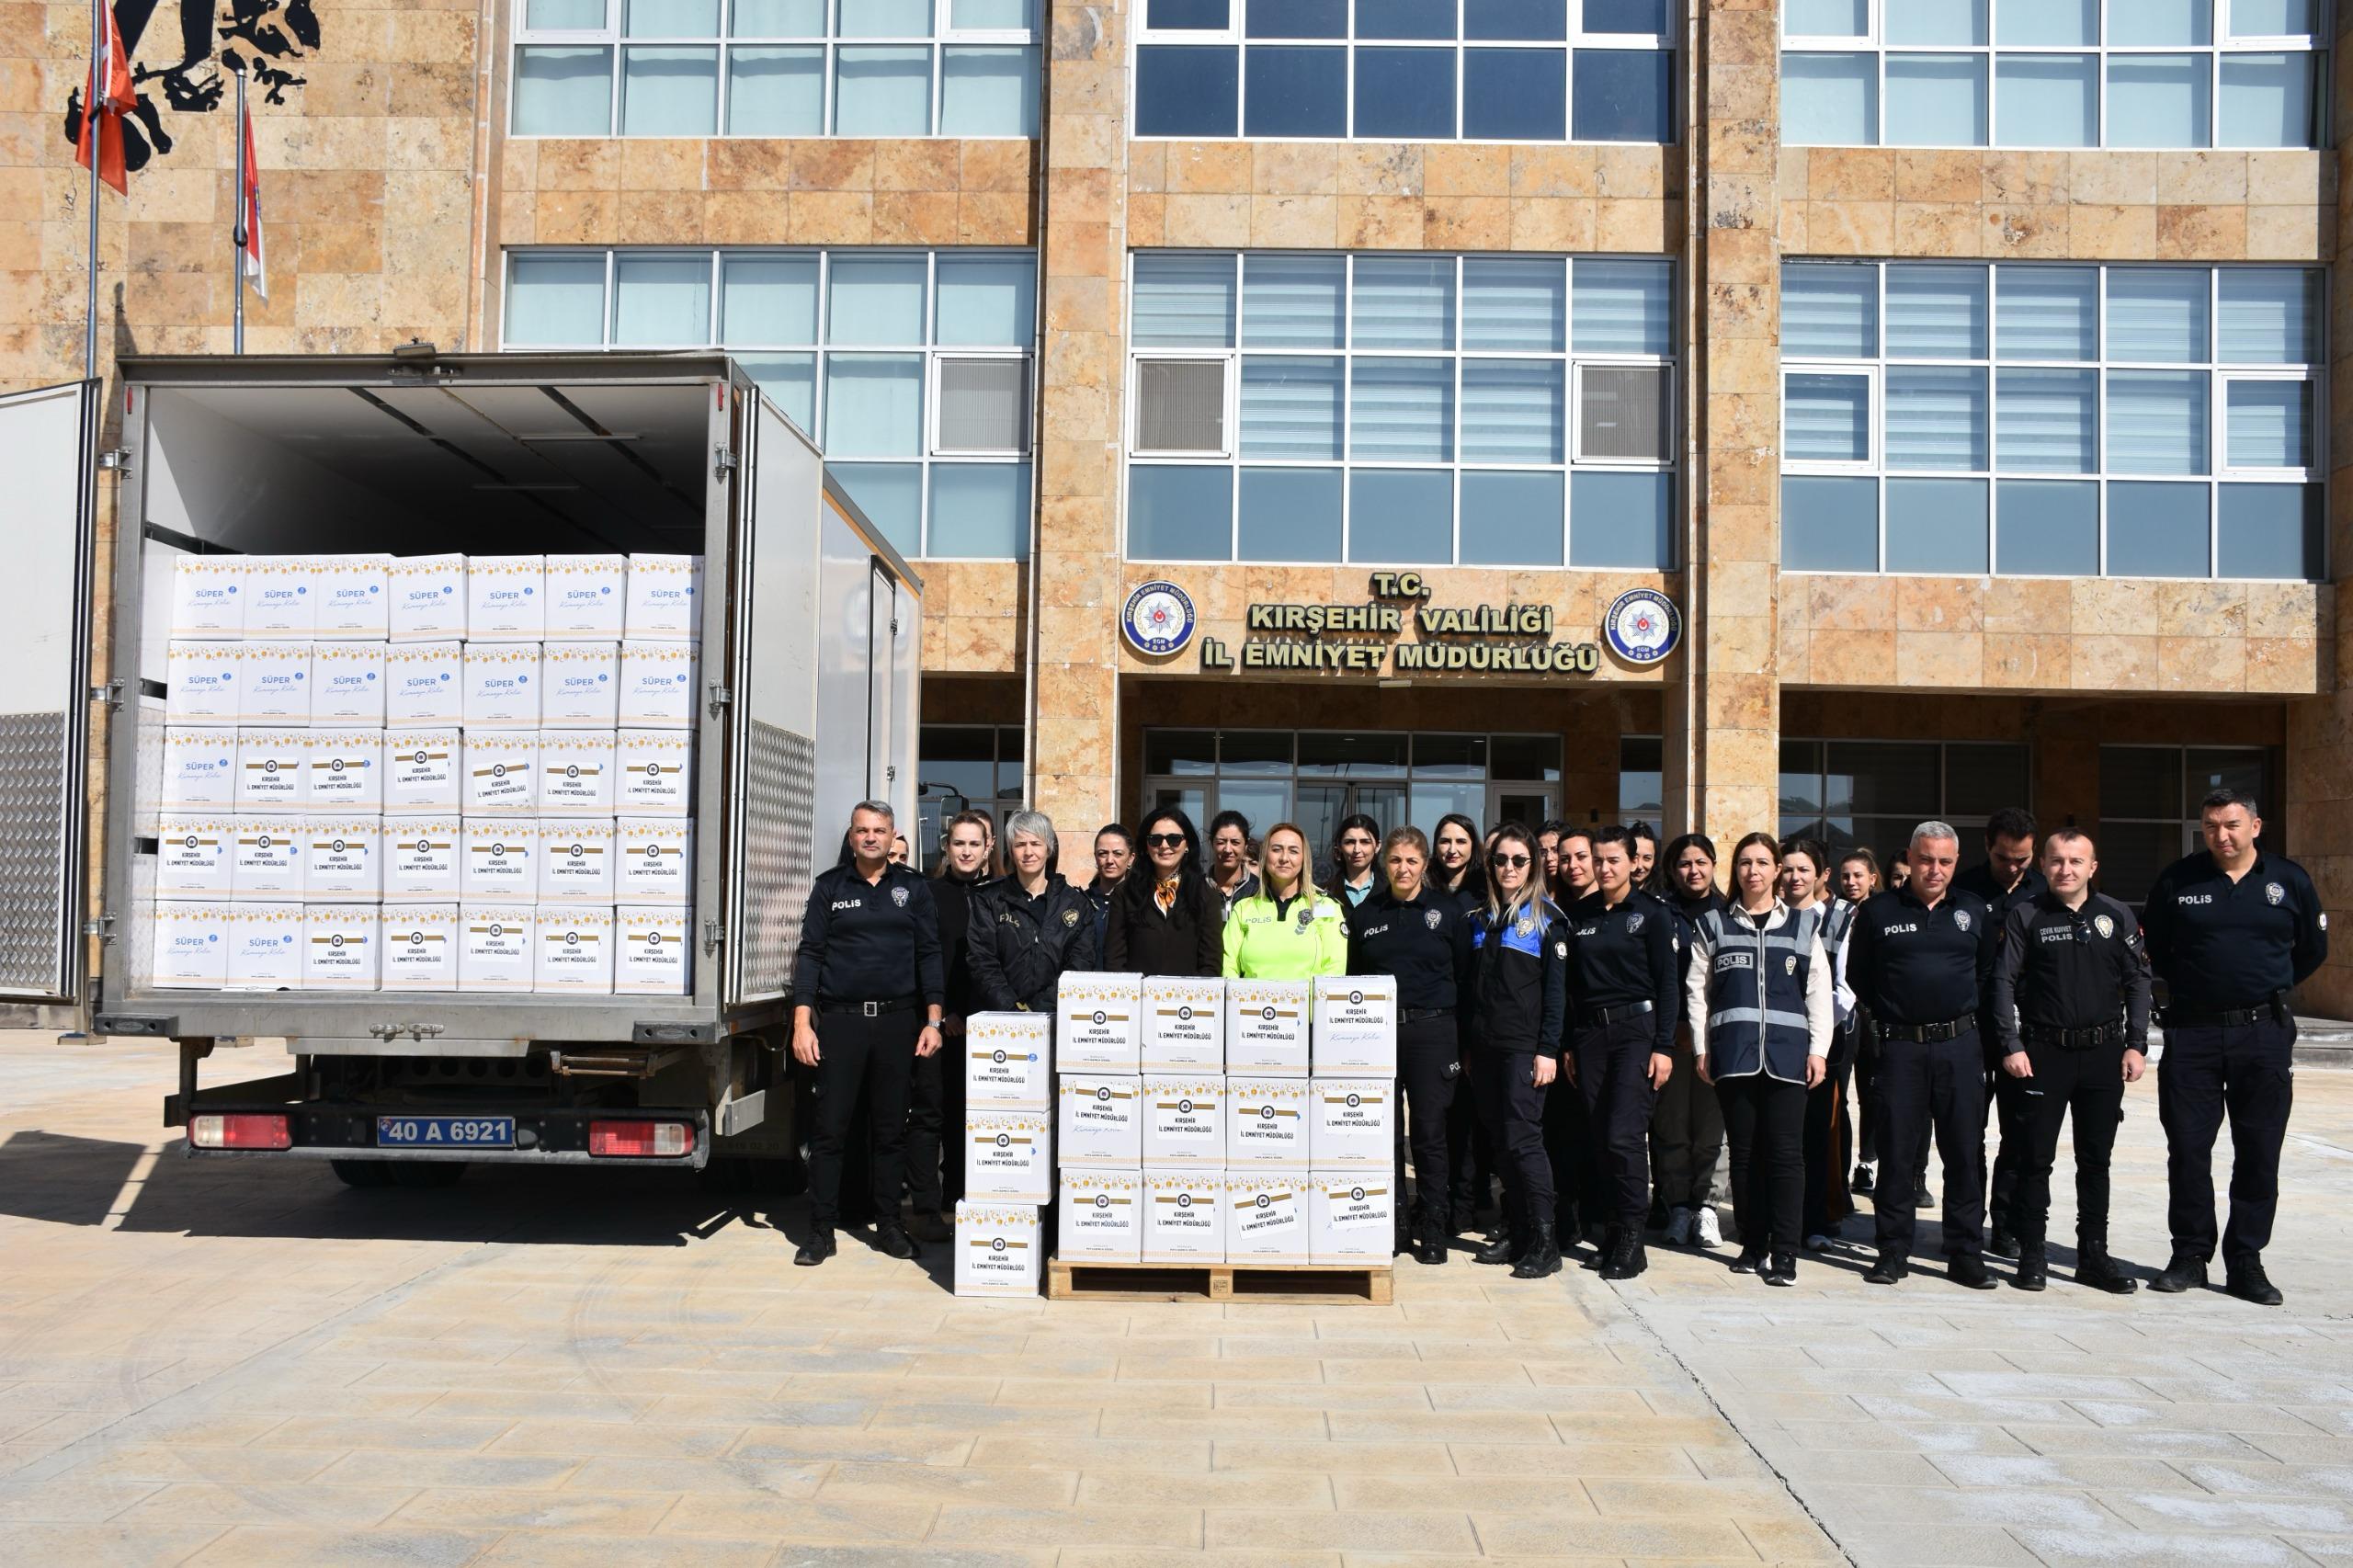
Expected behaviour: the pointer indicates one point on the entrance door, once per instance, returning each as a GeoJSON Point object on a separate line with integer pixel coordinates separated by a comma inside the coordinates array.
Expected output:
{"type": "Point", "coordinates": [1530, 805]}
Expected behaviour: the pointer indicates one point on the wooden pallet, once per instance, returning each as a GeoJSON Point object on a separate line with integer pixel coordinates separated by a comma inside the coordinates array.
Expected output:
{"type": "Point", "coordinates": [1293, 1282]}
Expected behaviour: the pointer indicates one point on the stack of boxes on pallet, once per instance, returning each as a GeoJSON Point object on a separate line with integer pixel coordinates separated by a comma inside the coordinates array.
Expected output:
{"type": "Point", "coordinates": [1008, 1152]}
{"type": "Point", "coordinates": [1212, 1121]}
{"type": "Point", "coordinates": [429, 773]}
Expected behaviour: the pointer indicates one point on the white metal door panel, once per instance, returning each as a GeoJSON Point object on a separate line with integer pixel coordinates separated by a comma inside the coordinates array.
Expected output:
{"type": "Point", "coordinates": [49, 449]}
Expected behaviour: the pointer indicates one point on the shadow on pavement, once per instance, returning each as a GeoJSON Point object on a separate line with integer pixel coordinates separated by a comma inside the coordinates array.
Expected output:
{"type": "Point", "coordinates": [61, 1179]}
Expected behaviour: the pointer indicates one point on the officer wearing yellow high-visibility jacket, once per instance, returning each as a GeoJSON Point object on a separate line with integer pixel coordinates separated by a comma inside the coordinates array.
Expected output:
{"type": "Point", "coordinates": [1286, 930]}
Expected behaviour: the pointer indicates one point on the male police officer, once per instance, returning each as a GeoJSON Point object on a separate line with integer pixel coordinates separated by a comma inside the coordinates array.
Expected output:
{"type": "Point", "coordinates": [1623, 1004]}
{"type": "Point", "coordinates": [2007, 877]}
{"type": "Point", "coordinates": [2230, 929]}
{"type": "Point", "coordinates": [1918, 957]}
{"type": "Point", "coordinates": [2071, 1006]}
{"type": "Point", "coordinates": [869, 987]}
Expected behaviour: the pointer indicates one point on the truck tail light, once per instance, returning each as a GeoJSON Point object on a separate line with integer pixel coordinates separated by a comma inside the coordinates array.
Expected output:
{"type": "Point", "coordinates": [213, 1131]}
{"type": "Point", "coordinates": [657, 1140]}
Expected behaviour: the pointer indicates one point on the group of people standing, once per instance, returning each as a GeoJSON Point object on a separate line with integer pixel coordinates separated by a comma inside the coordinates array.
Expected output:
{"type": "Point", "coordinates": [1593, 1022]}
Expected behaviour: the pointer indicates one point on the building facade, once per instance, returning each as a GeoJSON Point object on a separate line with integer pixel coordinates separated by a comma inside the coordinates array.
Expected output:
{"type": "Point", "coordinates": [1961, 372]}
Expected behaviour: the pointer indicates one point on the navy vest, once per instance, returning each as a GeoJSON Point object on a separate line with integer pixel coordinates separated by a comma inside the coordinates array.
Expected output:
{"type": "Point", "coordinates": [1757, 994]}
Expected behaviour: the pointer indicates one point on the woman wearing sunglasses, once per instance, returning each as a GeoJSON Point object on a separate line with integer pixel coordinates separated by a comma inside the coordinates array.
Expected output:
{"type": "Point", "coordinates": [1514, 1003]}
{"type": "Point", "coordinates": [1758, 997]}
{"type": "Point", "coordinates": [1287, 929]}
{"type": "Point", "coordinates": [1165, 918]}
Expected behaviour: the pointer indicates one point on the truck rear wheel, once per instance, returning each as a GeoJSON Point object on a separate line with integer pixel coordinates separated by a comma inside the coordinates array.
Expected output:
{"type": "Point", "coordinates": [362, 1173]}
{"type": "Point", "coordinates": [423, 1173]}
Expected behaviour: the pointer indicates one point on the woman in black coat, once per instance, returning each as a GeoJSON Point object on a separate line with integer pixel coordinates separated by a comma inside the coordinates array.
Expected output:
{"type": "Point", "coordinates": [1166, 918]}
{"type": "Point", "coordinates": [1029, 925]}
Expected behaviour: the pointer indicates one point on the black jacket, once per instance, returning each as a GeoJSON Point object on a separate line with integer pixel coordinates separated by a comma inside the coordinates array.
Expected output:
{"type": "Point", "coordinates": [864, 941]}
{"type": "Point", "coordinates": [2220, 945]}
{"type": "Point", "coordinates": [954, 896]}
{"type": "Point", "coordinates": [1515, 997]}
{"type": "Point", "coordinates": [1426, 945]}
{"type": "Point", "coordinates": [1020, 946]}
{"type": "Point", "coordinates": [2064, 969]}
{"type": "Point", "coordinates": [1189, 940]}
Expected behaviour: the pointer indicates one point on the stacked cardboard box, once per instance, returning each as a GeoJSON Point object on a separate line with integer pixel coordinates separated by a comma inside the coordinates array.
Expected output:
{"type": "Point", "coordinates": [1217, 1121]}
{"type": "Point", "coordinates": [429, 773]}
{"type": "Point", "coordinates": [1008, 1152]}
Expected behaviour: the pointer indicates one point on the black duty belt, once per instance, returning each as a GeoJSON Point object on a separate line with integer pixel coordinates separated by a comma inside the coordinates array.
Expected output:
{"type": "Point", "coordinates": [866, 1009]}
{"type": "Point", "coordinates": [2179, 1017]}
{"type": "Point", "coordinates": [2072, 1039]}
{"type": "Point", "coordinates": [1617, 1010]}
{"type": "Point", "coordinates": [1416, 1015]}
{"type": "Point", "coordinates": [1926, 1034]}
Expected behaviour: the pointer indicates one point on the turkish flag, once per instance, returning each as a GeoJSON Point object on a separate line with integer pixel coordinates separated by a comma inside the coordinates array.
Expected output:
{"type": "Point", "coordinates": [108, 99]}
{"type": "Point", "coordinates": [249, 214]}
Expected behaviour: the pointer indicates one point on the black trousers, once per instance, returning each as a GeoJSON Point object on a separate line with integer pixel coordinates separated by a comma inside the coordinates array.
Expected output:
{"type": "Point", "coordinates": [2090, 1084]}
{"type": "Point", "coordinates": [1474, 1158]}
{"type": "Point", "coordinates": [877, 1057]}
{"type": "Point", "coordinates": [1687, 1134]}
{"type": "Point", "coordinates": [1828, 1145]}
{"type": "Point", "coordinates": [2004, 1113]}
{"type": "Point", "coordinates": [935, 1130]}
{"type": "Point", "coordinates": [1867, 1118]}
{"type": "Point", "coordinates": [1939, 1085]}
{"type": "Point", "coordinates": [1575, 1161]}
{"type": "Point", "coordinates": [1513, 1109]}
{"type": "Point", "coordinates": [1613, 1076]}
{"type": "Point", "coordinates": [1764, 1123]}
{"type": "Point", "coordinates": [1429, 1059]}
{"type": "Point", "coordinates": [2245, 1071]}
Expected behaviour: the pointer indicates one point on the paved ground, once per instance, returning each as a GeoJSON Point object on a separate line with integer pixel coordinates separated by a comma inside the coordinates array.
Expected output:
{"type": "Point", "coordinates": [225, 1364]}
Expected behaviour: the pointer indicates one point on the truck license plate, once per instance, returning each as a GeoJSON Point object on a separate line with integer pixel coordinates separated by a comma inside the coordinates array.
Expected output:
{"type": "Point", "coordinates": [445, 1133]}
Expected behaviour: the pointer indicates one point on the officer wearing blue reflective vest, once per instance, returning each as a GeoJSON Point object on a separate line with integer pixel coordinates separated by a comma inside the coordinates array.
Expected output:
{"type": "Point", "coordinates": [1920, 957]}
{"type": "Point", "coordinates": [2229, 930]}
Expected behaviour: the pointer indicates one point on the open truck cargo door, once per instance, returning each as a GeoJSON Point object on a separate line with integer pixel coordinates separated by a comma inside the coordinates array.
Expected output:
{"type": "Point", "coordinates": [49, 441]}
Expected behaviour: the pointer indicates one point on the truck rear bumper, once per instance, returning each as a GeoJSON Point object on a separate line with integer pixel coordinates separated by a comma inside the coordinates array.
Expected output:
{"type": "Point", "coordinates": [542, 1136]}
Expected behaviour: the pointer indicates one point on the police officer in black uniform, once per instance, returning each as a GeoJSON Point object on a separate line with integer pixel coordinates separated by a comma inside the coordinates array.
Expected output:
{"type": "Point", "coordinates": [1920, 958]}
{"type": "Point", "coordinates": [2231, 930]}
{"type": "Point", "coordinates": [2070, 1008]}
{"type": "Point", "coordinates": [1409, 930]}
{"type": "Point", "coordinates": [1029, 925]}
{"type": "Point", "coordinates": [2006, 877]}
{"type": "Point", "coordinates": [1511, 1010]}
{"type": "Point", "coordinates": [869, 988]}
{"type": "Point", "coordinates": [1623, 979]}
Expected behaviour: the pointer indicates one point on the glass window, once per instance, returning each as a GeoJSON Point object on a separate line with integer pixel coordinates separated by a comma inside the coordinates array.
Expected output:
{"type": "Point", "coordinates": [1829, 525]}
{"type": "Point", "coordinates": [1516, 94]}
{"type": "Point", "coordinates": [1410, 389]}
{"type": "Point", "coordinates": [1400, 515]}
{"type": "Point", "coordinates": [891, 495]}
{"type": "Point", "coordinates": [1186, 91]}
{"type": "Point", "coordinates": [669, 91]}
{"type": "Point", "coordinates": [2049, 528]}
{"type": "Point", "coordinates": [984, 404]}
{"type": "Point", "coordinates": [1405, 93]}
{"type": "Point", "coordinates": [661, 302]}
{"type": "Point", "coordinates": [1291, 514]}
{"type": "Point", "coordinates": [1936, 526]}
{"type": "Point", "coordinates": [1916, 72]}
{"type": "Point", "coordinates": [1296, 18]}
{"type": "Point", "coordinates": [1547, 20]}
{"type": "Point", "coordinates": [882, 91]}
{"type": "Point", "coordinates": [775, 92]}
{"type": "Point", "coordinates": [1622, 519]}
{"type": "Point", "coordinates": [1623, 95]}
{"type": "Point", "coordinates": [980, 510]}
{"type": "Point", "coordinates": [2270, 530]}
{"type": "Point", "coordinates": [562, 91]}
{"type": "Point", "coordinates": [990, 91]}
{"type": "Point", "coordinates": [555, 302]}
{"type": "Point", "coordinates": [2103, 377]}
{"type": "Point", "coordinates": [1936, 100]}
{"type": "Point", "coordinates": [1297, 92]}
{"type": "Point", "coordinates": [1512, 519]}
{"type": "Point", "coordinates": [2157, 530]}
{"type": "Point", "coordinates": [1180, 512]}
{"type": "Point", "coordinates": [987, 300]}
{"type": "Point", "coordinates": [1293, 301]}
{"type": "Point", "coordinates": [874, 406]}
{"type": "Point", "coordinates": [1830, 100]}
{"type": "Point", "coordinates": [878, 300]}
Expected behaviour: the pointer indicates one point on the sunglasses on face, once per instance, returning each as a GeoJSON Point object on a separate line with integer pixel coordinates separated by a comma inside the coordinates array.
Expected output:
{"type": "Point", "coordinates": [1516, 862]}
{"type": "Point", "coordinates": [1165, 840]}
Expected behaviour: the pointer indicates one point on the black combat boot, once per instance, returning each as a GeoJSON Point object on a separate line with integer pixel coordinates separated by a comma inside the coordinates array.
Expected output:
{"type": "Point", "coordinates": [2246, 1280]}
{"type": "Point", "coordinates": [1543, 1254]}
{"type": "Point", "coordinates": [1890, 1269]}
{"type": "Point", "coordinates": [1968, 1268]}
{"type": "Point", "coordinates": [2182, 1273]}
{"type": "Point", "coordinates": [2096, 1268]}
{"type": "Point", "coordinates": [1628, 1257]}
{"type": "Point", "coordinates": [1501, 1249]}
{"type": "Point", "coordinates": [891, 1239]}
{"type": "Point", "coordinates": [2034, 1267]}
{"type": "Point", "coordinates": [815, 1250]}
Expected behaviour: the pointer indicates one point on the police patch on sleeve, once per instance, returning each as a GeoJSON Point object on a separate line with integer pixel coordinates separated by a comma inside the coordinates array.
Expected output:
{"type": "Point", "coordinates": [1070, 917]}
{"type": "Point", "coordinates": [1559, 949]}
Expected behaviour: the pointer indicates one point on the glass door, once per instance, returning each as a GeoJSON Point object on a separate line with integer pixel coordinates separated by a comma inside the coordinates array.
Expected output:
{"type": "Point", "coordinates": [1530, 805]}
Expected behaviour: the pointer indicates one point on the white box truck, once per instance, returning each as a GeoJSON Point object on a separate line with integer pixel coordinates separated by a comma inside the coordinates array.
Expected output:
{"type": "Point", "coordinates": [804, 702]}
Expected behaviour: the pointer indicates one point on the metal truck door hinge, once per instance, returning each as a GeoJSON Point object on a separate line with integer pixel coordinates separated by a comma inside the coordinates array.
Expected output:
{"type": "Point", "coordinates": [102, 927]}
{"type": "Point", "coordinates": [713, 935]}
{"type": "Point", "coordinates": [117, 459]}
{"type": "Point", "coordinates": [723, 463]}
{"type": "Point", "coordinates": [110, 694]}
{"type": "Point", "coordinates": [720, 698]}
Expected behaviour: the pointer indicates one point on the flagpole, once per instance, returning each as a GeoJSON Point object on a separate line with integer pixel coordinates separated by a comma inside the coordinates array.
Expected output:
{"type": "Point", "coordinates": [237, 231]}
{"type": "Point", "coordinates": [97, 134]}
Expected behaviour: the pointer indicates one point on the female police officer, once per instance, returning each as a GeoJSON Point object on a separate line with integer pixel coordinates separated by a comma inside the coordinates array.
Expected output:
{"type": "Point", "coordinates": [1413, 931]}
{"type": "Point", "coordinates": [1512, 1012]}
{"type": "Point", "coordinates": [868, 990]}
{"type": "Point", "coordinates": [1286, 930]}
{"type": "Point", "coordinates": [1031, 926]}
{"type": "Point", "coordinates": [1757, 995]}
